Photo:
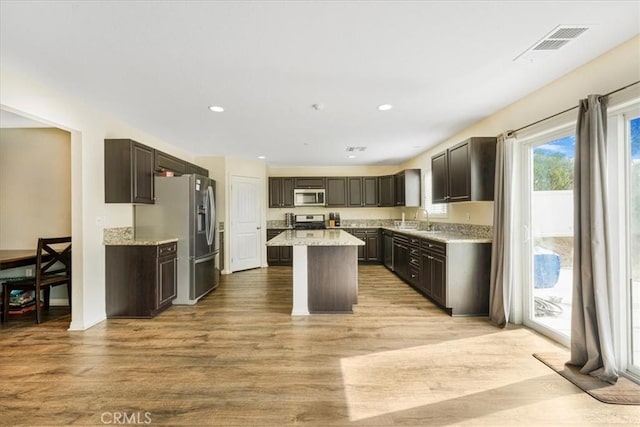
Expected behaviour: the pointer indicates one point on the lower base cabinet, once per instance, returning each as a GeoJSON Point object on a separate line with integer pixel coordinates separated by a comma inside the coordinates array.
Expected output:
{"type": "Point", "coordinates": [453, 275]}
{"type": "Point", "coordinates": [140, 279]}
{"type": "Point", "coordinates": [278, 255]}
{"type": "Point", "coordinates": [370, 252]}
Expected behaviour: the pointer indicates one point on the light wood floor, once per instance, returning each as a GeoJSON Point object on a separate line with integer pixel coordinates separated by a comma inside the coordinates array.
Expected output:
{"type": "Point", "coordinates": [239, 359]}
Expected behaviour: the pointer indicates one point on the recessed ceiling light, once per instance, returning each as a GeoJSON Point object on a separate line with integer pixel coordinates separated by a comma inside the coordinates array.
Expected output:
{"type": "Point", "coordinates": [352, 156]}
{"type": "Point", "coordinates": [261, 157]}
{"type": "Point", "coordinates": [216, 108]}
{"type": "Point", "coordinates": [385, 107]}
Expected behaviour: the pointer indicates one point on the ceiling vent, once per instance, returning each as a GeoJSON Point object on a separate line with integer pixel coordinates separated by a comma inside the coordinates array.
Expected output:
{"type": "Point", "coordinates": [354, 149]}
{"type": "Point", "coordinates": [556, 39]}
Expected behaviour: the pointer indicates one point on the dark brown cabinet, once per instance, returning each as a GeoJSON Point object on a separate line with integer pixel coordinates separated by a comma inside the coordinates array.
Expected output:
{"type": "Point", "coordinates": [433, 270]}
{"type": "Point", "coordinates": [140, 279]}
{"type": "Point", "coordinates": [401, 255]}
{"type": "Point", "coordinates": [280, 192]}
{"type": "Point", "coordinates": [454, 275]}
{"type": "Point", "coordinates": [399, 191]}
{"type": "Point", "coordinates": [439, 178]}
{"type": "Point", "coordinates": [387, 249]}
{"type": "Point", "coordinates": [465, 172]}
{"type": "Point", "coordinates": [166, 162]}
{"type": "Point", "coordinates": [386, 190]}
{"type": "Point", "coordinates": [278, 255]}
{"type": "Point", "coordinates": [406, 258]}
{"type": "Point", "coordinates": [362, 191]}
{"type": "Point", "coordinates": [414, 262]}
{"type": "Point", "coordinates": [336, 191]}
{"type": "Point", "coordinates": [191, 168]}
{"type": "Point", "coordinates": [407, 188]}
{"type": "Point", "coordinates": [309, 182]}
{"type": "Point", "coordinates": [370, 252]}
{"type": "Point", "coordinates": [129, 170]}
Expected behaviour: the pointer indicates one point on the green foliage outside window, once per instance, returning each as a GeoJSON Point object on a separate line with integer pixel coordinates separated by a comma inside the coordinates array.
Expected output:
{"type": "Point", "coordinates": [552, 171]}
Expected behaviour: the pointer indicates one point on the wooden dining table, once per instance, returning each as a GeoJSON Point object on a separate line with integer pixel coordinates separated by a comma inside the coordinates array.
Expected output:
{"type": "Point", "coordinates": [12, 258]}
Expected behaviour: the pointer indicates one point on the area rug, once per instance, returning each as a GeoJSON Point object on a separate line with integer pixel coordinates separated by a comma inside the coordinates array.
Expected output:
{"type": "Point", "coordinates": [624, 392]}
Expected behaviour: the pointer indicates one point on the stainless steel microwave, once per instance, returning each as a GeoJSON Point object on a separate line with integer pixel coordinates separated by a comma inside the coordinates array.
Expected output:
{"type": "Point", "coordinates": [308, 197]}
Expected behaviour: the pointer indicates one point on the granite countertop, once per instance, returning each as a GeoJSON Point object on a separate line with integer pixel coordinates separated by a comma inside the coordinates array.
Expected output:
{"type": "Point", "coordinates": [440, 236]}
{"type": "Point", "coordinates": [138, 242]}
{"type": "Point", "coordinates": [124, 236]}
{"type": "Point", "coordinates": [315, 238]}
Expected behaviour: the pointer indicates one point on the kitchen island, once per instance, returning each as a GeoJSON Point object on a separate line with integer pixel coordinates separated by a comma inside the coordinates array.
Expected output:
{"type": "Point", "coordinates": [325, 270]}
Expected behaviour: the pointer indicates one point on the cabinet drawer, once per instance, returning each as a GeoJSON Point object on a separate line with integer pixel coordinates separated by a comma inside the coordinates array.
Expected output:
{"type": "Point", "coordinates": [434, 246]}
{"type": "Point", "coordinates": [167, 249]}
{"type": "Point", "coordinates": [401, 238]}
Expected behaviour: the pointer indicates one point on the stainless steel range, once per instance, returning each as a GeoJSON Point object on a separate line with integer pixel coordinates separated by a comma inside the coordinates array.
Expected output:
{"type": "Point", "coordinates": [309, 222]}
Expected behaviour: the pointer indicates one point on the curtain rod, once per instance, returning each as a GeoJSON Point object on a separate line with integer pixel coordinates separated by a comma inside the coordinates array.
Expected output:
{"type": "Point", "coordinates": [511, 132]}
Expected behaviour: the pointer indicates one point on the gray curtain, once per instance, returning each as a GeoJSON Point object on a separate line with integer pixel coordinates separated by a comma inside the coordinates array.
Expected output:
{"type": "Point", "coordinates": [591, 325]}
{"type": "Point", "coordinates": [502, 249]}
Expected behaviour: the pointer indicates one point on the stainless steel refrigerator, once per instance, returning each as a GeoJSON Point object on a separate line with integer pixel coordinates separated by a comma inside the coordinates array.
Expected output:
{"type": "Point", "coordinates": [185, 208]}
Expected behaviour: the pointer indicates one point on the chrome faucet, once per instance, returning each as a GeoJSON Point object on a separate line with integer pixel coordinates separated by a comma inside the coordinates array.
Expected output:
{"type": "Point", "coordinates": [426, 213]}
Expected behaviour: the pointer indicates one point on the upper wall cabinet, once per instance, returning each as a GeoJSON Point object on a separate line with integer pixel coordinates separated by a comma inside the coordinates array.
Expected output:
{"type": "Point", "coordinates": [336, 191]}
{"type": "Point", "coordinates": [465, 172]}
{"type": "Point", "coordinates": [191, 168]}
{"type": "Point", "coordinates": [166, 162]}
{"type": "Point", "coordinates": [128, 169]}
{"type": "Point", "coordinates": [362, 191]}
{"type": "Point", "coordinates": [309, 182]}
{"type": "Point", "coordinates": [386, 190]}
{"type": "Point", "coordinates": [280, 192]}
{"type": "Point", "coordinates": [407, 188]}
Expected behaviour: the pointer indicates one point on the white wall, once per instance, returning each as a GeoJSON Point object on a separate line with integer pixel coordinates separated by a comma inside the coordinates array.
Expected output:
{"type": "Point", "coordinates": [616, 68]}
{"type": "Point", "coordinates": [35, 186]}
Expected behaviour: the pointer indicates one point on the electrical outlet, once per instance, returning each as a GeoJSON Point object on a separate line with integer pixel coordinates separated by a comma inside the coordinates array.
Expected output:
{"type": "Point", "coordinates": [28, 272]}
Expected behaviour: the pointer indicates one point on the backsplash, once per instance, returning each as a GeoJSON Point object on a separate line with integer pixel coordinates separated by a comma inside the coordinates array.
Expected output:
{"type": "Point", "coordinates": [481, 231]}
{"type": "Point", "coordinates": [117, 234]}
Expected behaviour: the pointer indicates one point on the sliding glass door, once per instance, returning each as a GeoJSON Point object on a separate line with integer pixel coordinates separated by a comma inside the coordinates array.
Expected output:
{"type": "Point", "coordinates": [549, 163]}
{"type": "Point", "coordinates": [632, 124]}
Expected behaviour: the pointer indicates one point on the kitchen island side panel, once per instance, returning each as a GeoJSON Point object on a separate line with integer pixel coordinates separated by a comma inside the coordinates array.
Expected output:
{"type": "Point", "coordinates": [332, 278]}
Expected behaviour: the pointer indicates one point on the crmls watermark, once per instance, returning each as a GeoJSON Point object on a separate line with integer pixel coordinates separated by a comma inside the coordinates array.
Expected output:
{"type": "Point", "coordinates": [126, 417]}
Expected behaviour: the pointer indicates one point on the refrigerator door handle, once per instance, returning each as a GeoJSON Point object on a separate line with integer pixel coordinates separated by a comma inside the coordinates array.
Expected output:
{"type": "Point", "coordinates": [211, 215]}
{"type": "Point", "coordinates": [204, 259]}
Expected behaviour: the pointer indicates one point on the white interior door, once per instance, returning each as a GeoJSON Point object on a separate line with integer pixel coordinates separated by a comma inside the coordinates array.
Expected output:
{"type": "Point", "coordinates": [246, 220]}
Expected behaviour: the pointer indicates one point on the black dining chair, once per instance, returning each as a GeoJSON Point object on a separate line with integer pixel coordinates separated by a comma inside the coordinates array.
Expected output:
{"type": "Point", "coordinates": [53, 268]}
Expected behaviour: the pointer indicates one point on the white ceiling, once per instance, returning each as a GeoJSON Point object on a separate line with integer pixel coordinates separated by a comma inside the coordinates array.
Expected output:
{"type": "Point", "coordinates": [443, 65]}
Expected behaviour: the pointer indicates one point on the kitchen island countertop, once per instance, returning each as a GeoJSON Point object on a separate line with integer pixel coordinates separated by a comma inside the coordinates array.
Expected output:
{"type": "Point", "coordinates": [315, 238]}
